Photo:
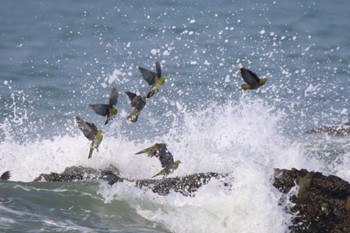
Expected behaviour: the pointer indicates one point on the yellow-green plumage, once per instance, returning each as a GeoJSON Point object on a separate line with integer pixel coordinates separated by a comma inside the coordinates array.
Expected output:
{"type": "Point", "coordinates": [91, 132]}
{"type": "Point", "coordinates": [252, 80]}
{"type": "Point", "coordinates": [325, 207]}
{"type": "Point", "coordinates": [96, 142]}
{"type": "Point", "coordinates": [112, 113]}
{"type": "Point", "coordinates": [155, 79]}
{"type": "Point", "coordinates": [156, 87]}
{"type": "Point", "coordinates": [304, 184]}
{"type": "Point", "coordinates": [107, 110]}
{"type": "Point", "coordinates": [166, 159]}
{"type": "Point", "coordinates": [167, 170]}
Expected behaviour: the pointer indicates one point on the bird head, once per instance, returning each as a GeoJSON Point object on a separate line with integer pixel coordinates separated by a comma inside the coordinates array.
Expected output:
{"type": "Point", "coordinates": [176, 164]}
{"type": "Point", "coordinates": [262, 81]}
{"type": "Point", "coordinates": [114, 111]}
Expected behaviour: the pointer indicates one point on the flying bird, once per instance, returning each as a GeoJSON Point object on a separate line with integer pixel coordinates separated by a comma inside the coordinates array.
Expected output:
{"type": "Point", "coordinates": [154, 79]}
{"type": "Point", "coordinates": [251, 79]}
{"type": "Point", "coordinates": [91, 132]}
{"type": "Point", "coordinates": [166, 159]}
{"type": "Point", "coordinates": [5, 176]}
{"type": "Point", "coordinates": [107, 110]}
{"type": "Point", "coordinates": [138, 103]}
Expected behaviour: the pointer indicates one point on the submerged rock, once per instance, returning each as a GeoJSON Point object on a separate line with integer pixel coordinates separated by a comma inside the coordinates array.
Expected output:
{"type": "Point", "coordinates": [335, 130]}
{"type": "Point", "coordinates": [320, 203]}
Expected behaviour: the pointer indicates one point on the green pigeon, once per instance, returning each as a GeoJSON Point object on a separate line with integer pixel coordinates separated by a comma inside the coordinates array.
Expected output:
{"type": "Point", "coordinates": [91, 132]}
{"type": "Point", "coordinates": [304, 183]}
{"type": "Point", "coordinates": [138, 103]}
{"type": "Point", "coordinates": [166, 159]}
{"type": "Point", "coordinates": [325, 207]}
{"type": "Point", "coordinates": [154, 79]}
{"type": "Point", "coordinates": [107, 110]}
{"type": "Point", "coordinates": [251, 79]}
{"type": "Point", "coordinates": [5, 176]}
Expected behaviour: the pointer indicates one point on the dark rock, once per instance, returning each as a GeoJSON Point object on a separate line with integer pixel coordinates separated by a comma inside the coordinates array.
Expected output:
{"type": "Point", "coordinates": [321, 204]}
{"type": "Point", "coordinates": [75, 173]}
{"type": "Point", "coordinates": [186, 185]}
{"type": "Point", "coordinates": [324, 207]}
{"type": "Point", "coordinates": [335, 130]}
{"type": "Point", "coordinates": [5, 176]}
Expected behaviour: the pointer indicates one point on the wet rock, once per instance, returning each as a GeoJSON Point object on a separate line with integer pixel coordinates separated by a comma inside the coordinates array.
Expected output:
{"type": "Point", "coordinates": [321, 206]}
{"type": "Point", "coordinates": [5, 176]}
{"type": "Point", "coordinates": [335, 130]}
{"type": "Point", "coordinates": [76, 173]}
{"type": "Point", "coordinates": [186, 185]}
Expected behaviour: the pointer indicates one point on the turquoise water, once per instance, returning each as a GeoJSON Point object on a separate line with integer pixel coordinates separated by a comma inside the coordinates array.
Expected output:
{"type": "Point", "coordinates": [56, 58]}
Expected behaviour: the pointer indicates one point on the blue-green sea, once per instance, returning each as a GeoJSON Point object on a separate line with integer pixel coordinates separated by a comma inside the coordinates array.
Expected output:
{"type": "Point", "coordinates": [57, 57]}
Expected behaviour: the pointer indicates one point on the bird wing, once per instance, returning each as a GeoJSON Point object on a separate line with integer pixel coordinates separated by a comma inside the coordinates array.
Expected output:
{"type": "Point", "coordinates": [5, 176]}
{"type": "Point", "coordinates": [138, 103]}
{"type": "Point", "coordinates": [113, 98]}
{"type": "Point", "coordinates": [250, 77]}
{"type": "Point", "coordinates": [150, 151]}
{"type": "Point", "coordinates": [148, 75]}
{"type": "Point", "coordinates": [100, 109]}
{"type": "Point", "coordinates": [165, 157]}
{"type": "Point", "coordinates": [88, 129]}
{"type": "Point", "coordinates": [153, 150]}
{"type": "Point", "coordinates": [132, 97]}
{"type": "Point", "coordinates": [158, 69]}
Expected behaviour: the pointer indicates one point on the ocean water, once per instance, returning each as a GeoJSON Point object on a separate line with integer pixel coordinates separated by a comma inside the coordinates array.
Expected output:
{"type": "Point", "coordinates": [57, 57]}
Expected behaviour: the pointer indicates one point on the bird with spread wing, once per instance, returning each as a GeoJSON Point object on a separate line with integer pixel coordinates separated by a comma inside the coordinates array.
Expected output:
{"type": "Point", "coordinates": [155, 79]}
{"type": "Point", "coordinates": [166, 159]}
{"type": "Point", "coordinates": [251, 79]}
{"type": "Point", "coordinates": [91, 132]}
{"type": "Point", "coordinates": [107, 110]}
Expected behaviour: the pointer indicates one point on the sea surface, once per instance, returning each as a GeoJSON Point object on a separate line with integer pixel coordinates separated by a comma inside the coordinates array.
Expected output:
{"type": "Point", "coordinates": [57, 57]}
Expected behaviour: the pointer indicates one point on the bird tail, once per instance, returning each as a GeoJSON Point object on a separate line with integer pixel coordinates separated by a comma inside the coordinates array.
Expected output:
{"type": "Point", "coordinates": [133, 115]}
{"type": "Point", "coordinates": [159, 173]}
{"type": "Point", "coordinates": [90, 153]}
{"type": "Point", "coordinates": [107, 120]}
{"type": "Point", "coordinates": [162, 172]}
{"type": "Point", "coordinates": [150, 94]}
{"type": "Point", "coordinates": [246, 86]}
{"type": "Point", "coordinates": [141, 152]}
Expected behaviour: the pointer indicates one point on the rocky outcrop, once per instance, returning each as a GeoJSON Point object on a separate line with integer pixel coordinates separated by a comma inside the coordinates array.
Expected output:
{"type": "Point", "coordinates": [335, 130]}
{"type": "Point", "coordinates": [319, 203]}
{"type": "Point", "coordinates": [186, 185]}
{"type": "Point", "coordinates": [76, 173]}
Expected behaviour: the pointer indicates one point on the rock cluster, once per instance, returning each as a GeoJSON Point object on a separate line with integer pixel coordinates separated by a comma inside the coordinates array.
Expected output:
{"type": "Point", "coordinates": [319, 204]}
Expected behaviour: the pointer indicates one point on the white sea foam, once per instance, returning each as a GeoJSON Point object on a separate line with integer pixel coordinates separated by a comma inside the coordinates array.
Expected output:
{"type": "Point", "coordinates": [242, 138]}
